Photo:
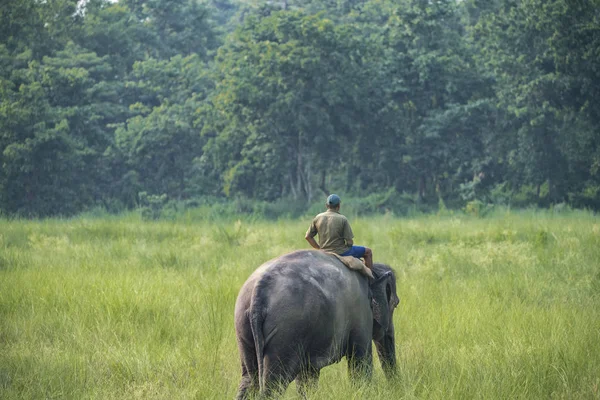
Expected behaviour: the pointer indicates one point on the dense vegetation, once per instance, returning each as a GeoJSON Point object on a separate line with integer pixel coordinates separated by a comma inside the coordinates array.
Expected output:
{"type": "Point", "coordinates": [128, 103]}
{"type": "Point", "coordinates": [504, 307]}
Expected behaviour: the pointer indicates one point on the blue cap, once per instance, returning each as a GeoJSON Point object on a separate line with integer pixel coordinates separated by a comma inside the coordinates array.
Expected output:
{"type": "Point", "coordinates": [333, 200]}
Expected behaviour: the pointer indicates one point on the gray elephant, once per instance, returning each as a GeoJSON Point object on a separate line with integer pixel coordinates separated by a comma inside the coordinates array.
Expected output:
{"type": "Point", "coordinates": [305, 310]}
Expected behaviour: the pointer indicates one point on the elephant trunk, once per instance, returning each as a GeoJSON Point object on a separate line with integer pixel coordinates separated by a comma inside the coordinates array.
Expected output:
{"type": "Point", "coordinates": [383, 303]}
{"type": "Point", "coordinates": [386, 349]}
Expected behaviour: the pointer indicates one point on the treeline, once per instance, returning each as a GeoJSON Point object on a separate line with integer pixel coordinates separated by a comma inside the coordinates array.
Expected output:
{"type": "Point", "coordinates": [113, 104]}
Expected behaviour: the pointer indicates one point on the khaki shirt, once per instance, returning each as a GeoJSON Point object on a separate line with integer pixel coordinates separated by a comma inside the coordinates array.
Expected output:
{"type": "Point", "coordinates": [334, 231]}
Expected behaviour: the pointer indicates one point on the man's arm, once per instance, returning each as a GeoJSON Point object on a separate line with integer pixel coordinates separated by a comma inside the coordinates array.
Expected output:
{"type": "Point", "coordinates": [348, 234]}
{"type": "Point", "coordinates": [312, 241]}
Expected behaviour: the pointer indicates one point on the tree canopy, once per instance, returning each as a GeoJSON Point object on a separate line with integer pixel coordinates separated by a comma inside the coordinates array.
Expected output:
{"type": "Point", "coordinates": [103, 103]}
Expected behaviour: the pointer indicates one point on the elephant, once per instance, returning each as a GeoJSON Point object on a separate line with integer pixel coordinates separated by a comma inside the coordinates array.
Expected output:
{"type": "Point", "coordinates": [305, 310]}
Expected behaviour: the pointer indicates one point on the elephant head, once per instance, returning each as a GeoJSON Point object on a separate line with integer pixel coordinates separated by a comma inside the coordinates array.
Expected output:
{"type": "Point", "coordinates": [384, 301]}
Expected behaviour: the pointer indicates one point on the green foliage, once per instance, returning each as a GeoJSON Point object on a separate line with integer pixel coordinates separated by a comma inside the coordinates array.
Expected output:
{"type": "Point", "coordinates": [389, 202]}
{"type": "Point", "coordinates": [286, 94]}
{"type": "Point", "coordinates": [477, 208]}
{"type": "Point", "coordinates": [534, 49]}
{"type": "Point", "coordinates": [398, 104]}
{"type": "Point", "coordinates": [152, 205]}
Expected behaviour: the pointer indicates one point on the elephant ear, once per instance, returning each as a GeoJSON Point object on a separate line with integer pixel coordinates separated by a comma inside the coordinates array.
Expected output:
{"type": "Point", "coordinates": [380, 301]}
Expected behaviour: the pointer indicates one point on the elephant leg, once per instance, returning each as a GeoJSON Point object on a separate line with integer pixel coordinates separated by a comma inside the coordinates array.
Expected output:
{"type": "Point", "coordinates": [307, 381]}
{"type": "Point", "coordinates": [249, 384]}
{"type": "Point", "coordinates": [360, 362]}
{"type": "Point", "coordinates": [280, 371]}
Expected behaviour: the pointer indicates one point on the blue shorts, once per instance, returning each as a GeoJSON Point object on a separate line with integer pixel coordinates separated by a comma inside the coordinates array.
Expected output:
{"type": "Point", "coordinates": [355, 251]}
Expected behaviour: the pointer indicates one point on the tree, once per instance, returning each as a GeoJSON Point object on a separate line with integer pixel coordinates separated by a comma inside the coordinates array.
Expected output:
{"type": "Point", "coordinates": [160, 143]}
{"type": "Point", "coordinates": [542, 54]}
{"type": "Point", "coordinates": [54, 135]}
{"type": "Point", "coordinates": [175, 27]}
{"type": "Point", "coordinates": [441, 97]}
{"type": "Point", "coordinates": [289, 102]}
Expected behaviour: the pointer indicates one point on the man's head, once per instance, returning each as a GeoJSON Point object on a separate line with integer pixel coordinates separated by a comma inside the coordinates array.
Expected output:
{"type": "Point", "coordinates": [333, 202]}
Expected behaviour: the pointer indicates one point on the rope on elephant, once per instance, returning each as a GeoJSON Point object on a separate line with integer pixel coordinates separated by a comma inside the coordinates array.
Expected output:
{"type": "Point", "coordinates": [354, 264]}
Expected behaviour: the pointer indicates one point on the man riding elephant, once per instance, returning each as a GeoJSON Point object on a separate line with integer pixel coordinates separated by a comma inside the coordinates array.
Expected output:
{"type": "Point", "coordinates": [305, 310]}
{"type": "Point", "coordinates": [335, 233]}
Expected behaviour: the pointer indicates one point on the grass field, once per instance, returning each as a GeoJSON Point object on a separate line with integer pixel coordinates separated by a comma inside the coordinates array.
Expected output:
{"type": "Point", "coordinates": [502, 307]}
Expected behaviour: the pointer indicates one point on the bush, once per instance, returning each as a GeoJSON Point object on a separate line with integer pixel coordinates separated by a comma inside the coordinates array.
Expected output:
{"type": "Point", "coordinates": [152, 205]}
{"type": "Point", "coordinates": [501, 194]}
{"type": "Point", "coordinates": [478, 208]}
{"type": "Point", "coordinates": [589, 197]}
{"type": "Point", "coordinates": [382, 202]}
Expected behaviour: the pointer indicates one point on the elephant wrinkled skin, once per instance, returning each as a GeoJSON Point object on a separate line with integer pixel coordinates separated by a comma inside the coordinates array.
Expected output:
{"type": "Point", "coordinates": [305, 310]}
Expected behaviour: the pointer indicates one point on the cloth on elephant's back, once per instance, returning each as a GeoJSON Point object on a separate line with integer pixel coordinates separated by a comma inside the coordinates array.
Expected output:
{"type": "Point", "coordinates": [354, 263]}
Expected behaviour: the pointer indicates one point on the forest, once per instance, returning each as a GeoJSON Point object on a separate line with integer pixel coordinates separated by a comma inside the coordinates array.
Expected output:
{"type": "Point", "coordinates": [428, 103]}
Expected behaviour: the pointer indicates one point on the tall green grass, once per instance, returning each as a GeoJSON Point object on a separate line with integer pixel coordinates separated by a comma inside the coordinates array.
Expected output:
{"type": "Point", "coordinates": [116, 308]}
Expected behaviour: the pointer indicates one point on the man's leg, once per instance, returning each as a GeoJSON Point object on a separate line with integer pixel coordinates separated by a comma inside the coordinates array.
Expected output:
{"type": "Point", "coordinates": [361, 252]}
{"type": "Point", "coordinates": [368, 258]}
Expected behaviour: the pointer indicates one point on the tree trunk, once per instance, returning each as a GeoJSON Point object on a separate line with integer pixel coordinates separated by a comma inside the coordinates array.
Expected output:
{"type": "Point", "coordinates": [322, 183]}
{"type": "Point", "coordinates": [292, 186]}
{"type": "Point", "coordinates": [303, 184]}
{"type": "Point", "coordinates": [299, 166]}
{"type": "Point", "coordinates": [307, 181]}
{"type": "Point", "coordinates": [422, 187]}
